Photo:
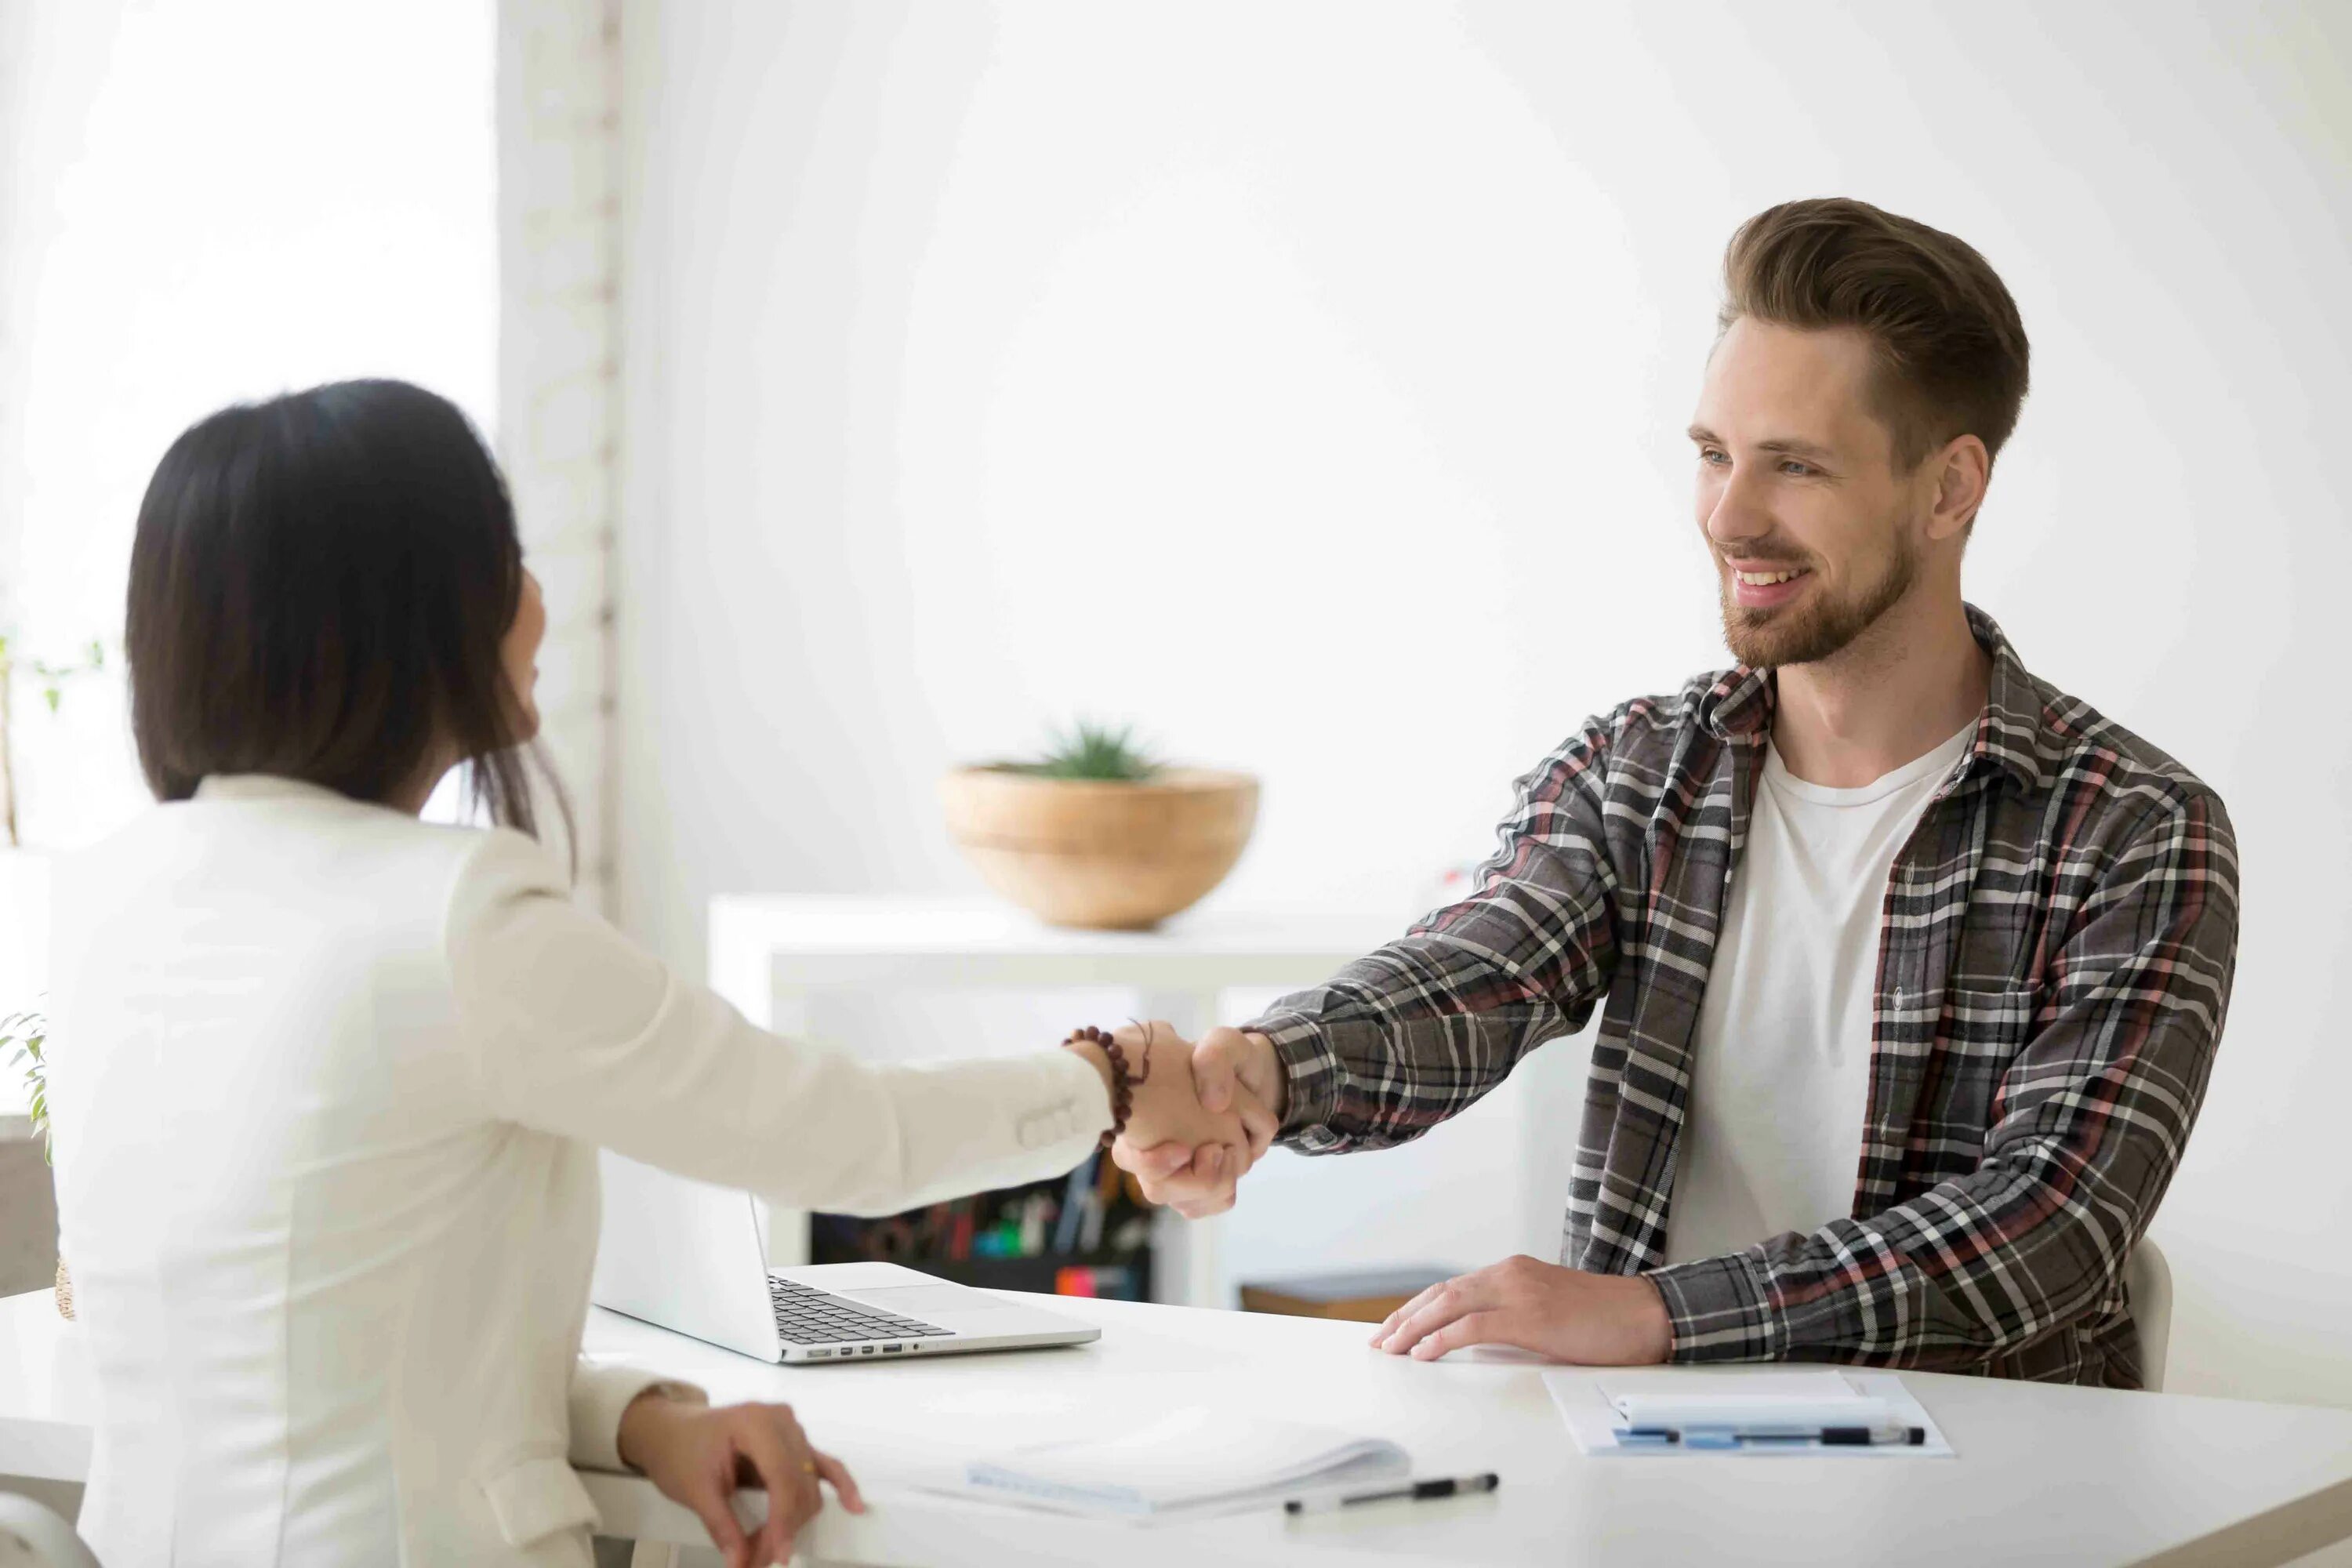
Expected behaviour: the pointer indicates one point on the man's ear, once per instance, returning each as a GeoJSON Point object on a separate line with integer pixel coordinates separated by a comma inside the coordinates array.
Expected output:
{"type": "Point", "coordinates": [1961, 468]}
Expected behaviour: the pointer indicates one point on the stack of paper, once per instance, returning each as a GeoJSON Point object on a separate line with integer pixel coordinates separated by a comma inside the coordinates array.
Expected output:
{"type": "Point", "coordinates": [1193, 1459]}
{"type": "Point", "coordinates": [1602, 1408]}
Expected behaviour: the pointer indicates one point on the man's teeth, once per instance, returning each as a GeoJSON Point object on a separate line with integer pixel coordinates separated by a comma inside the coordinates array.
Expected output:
{"type": "Point", "coordinates": [1765, 579]}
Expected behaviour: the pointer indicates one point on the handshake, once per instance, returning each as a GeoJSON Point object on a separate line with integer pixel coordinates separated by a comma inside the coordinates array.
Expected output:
{"type": "Point", "coordinates": [1202, 1113]}
{"type": "Point", "coordinates": [1192, 1134]}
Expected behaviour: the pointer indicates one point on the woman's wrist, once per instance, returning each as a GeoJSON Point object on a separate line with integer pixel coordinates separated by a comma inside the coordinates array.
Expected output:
{"type": "Point", "coordinates": [1119, 1068]}
{"type": "Point", "coordinates": [1097, 1058]}
{"type": "Point", "coordinates": [648, 1415]}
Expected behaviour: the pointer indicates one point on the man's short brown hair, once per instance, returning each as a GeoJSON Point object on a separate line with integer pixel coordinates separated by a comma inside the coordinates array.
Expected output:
{"type": "Point", "coordinates": [1952, 355]}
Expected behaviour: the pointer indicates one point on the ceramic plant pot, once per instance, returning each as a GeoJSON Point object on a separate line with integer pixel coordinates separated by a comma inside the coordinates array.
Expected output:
{"type": "Point", "coordinates": [1100, 854]}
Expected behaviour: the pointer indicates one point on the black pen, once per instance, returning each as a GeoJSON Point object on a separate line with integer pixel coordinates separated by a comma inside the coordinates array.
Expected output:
{"type": "Point", "coordinates": [1463, 1486]}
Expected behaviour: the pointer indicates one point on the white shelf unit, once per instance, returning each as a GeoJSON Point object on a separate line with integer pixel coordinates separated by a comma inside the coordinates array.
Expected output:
{"type": "Point", "coordinates": [771, 953]}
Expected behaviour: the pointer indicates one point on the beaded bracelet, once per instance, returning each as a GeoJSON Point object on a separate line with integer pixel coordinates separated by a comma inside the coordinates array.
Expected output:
{"type": "Point", "coordinates": [1122, 1082]}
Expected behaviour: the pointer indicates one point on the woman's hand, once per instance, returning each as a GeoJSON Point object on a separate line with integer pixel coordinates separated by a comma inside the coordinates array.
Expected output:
{"type": "Point", "coordinates": [1166, 1112]}
{"type": "Point", "coordinates": [698, 1456]}
{"type": "Point", "coordinates": [1232, 1070]}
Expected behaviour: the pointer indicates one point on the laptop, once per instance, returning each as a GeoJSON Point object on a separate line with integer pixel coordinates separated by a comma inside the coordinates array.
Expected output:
{"type": "Point", "coordinates": [686, 1255]}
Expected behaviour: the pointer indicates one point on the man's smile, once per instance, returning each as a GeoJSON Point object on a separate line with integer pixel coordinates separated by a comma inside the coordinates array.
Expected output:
{"type": "Point", "coordinates": [1766, 584]}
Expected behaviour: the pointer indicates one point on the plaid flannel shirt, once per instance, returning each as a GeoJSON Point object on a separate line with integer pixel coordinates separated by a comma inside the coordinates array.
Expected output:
{"type": "Point", "coordinates": [2055, 962]}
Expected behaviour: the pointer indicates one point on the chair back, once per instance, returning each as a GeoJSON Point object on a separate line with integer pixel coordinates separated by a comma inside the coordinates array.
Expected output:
{"type": "Point", "coordinates": [2148, 1279]}
{"type": "Point", "coordinates": [32, 1536]}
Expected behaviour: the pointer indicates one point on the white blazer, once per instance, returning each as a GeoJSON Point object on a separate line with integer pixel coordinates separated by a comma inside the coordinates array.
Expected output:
{"type": "Point", "coordinates": [327, 1084]}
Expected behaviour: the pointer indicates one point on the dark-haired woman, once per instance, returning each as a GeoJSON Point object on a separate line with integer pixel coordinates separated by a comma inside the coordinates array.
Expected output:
{"type": "Point", "coordinates": [330, 1081]}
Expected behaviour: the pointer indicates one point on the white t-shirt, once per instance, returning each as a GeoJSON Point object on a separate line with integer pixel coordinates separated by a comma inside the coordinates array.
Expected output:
{"type": "Point", "coordinates": [1771, 1136]}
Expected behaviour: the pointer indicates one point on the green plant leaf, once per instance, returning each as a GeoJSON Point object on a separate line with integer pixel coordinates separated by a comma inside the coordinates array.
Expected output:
{"type": "Point", "coordinates": [1092, 750]}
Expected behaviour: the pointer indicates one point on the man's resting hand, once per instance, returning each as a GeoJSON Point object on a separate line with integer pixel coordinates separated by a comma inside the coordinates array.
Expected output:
{"type": "Point", "coordinates": [1593, 1319]}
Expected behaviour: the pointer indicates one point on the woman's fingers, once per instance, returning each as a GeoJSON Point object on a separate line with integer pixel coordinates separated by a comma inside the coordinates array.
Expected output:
{"type": "Point", "coordinates": [811, 1495]}
{"type": "Point", "coordinates": [712, 1498]}
{"type": "Point", "coordinates": [844, 1484]}
{"type": "Point", "coordinates": [770, 1437]}
{"type": "Point", "coordinates": [1209, 1162]}
{"type": "Point", "coordinates": [1156, 1162]}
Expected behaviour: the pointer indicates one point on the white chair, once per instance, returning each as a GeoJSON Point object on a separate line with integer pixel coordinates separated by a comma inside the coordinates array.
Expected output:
{"type": "Point", "coordinates": [32, 1536]}
{"type": "Point", "coordinates": [2147, 1280]}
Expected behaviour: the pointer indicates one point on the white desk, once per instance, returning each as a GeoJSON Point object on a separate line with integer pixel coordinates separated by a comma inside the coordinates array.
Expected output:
{"type": "Point", "coordinates": [2044, 1474]}
{"type": "Point", "coordinates": [770, 954]}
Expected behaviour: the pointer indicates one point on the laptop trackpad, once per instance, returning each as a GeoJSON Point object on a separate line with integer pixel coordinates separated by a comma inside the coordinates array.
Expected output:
{"type": "Point", "coordinates": [914, 1300]}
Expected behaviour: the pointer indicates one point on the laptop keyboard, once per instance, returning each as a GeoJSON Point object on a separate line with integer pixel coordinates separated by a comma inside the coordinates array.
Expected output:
{"type": "Point", "coordinates": [806, 1316]}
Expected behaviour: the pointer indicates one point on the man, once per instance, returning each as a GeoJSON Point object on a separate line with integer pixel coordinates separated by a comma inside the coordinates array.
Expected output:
{"type": "Point", "coordinates": [1913, 967]}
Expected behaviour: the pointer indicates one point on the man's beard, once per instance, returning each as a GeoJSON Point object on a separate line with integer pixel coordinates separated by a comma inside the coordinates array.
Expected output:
{"type": "Point", "coordinates": [1820, 627]}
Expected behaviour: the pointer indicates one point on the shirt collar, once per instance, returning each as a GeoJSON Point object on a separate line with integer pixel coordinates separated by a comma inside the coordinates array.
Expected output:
{"type": "Point", "coordinates": [262, 786]}
{"type": "Point", "coordinates": [1739, 706]}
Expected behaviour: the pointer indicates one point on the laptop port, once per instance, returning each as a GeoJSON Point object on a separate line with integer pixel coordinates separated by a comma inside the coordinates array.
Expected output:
{"type": "Point", "coordinates": [865, 1350]}
{"type": "Point", "coordinates": [814, 1355]}
{"type": "Point", "coordinates": [892, 1350]}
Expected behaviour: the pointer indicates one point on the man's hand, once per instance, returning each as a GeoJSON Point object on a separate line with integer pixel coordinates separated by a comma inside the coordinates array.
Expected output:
{"type": "Point", "coordinates": [1593, 1319]}
{"type": "Point", "coordinates": [1166, 1113]}
{"type": "Point", "coordinates": [698, 1456]}
{"type": "Point", "coordinates": [1229, 1069]}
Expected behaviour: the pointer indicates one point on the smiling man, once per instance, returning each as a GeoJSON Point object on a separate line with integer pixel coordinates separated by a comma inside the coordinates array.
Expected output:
{"type": "Point", "coordinates": [1911, 966]}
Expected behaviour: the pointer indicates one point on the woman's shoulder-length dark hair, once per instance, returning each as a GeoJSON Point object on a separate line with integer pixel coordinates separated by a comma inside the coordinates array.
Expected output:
{"type": "Point", "coordinates": [320, 585]}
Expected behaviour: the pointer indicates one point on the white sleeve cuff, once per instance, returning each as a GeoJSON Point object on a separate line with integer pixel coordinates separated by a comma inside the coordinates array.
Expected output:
{"type": "Point", "coordinates": [601, 1390]}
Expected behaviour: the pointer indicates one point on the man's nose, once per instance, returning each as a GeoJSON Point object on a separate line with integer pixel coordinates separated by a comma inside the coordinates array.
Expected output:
{"type": "Point", "coordinates": [1738, 514]}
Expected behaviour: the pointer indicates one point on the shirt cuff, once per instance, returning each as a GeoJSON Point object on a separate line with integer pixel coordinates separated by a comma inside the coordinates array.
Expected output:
{"type": "Point", "coordinates": [601, 1390]}
{"type": "Point", "coordinates": [1722, 1310]}
{"type": "Point", "coordinates": [1309, 1066]}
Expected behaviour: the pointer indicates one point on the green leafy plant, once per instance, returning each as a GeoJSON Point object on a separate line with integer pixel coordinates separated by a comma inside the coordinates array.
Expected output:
{"type": "Point", "coordinates": [1091, 750]}
{"type": "Point", "coordinates": [22, 1035]}
{"type": "Point", "coordinates": [52, 678]}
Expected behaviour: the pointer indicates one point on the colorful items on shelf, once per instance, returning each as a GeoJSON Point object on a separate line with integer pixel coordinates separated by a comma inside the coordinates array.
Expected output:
{"type": "Point", "coordinates": [1115, 1281]}
{"type": "Point", "coordinates": [1089, 1234]}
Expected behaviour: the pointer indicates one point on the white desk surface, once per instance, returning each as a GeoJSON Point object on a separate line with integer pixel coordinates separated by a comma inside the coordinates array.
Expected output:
{"type": "Point", "coordinates": [2044, 1474]}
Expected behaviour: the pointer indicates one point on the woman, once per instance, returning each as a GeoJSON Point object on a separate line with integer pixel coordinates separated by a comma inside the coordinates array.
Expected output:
{"type": "Point", "coordinates": [329, 1082]}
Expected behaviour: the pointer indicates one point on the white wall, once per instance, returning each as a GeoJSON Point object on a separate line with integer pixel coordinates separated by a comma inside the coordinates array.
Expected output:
{"type": "Point", "coordinates": [1305, 382]}
{"type": "Point", "coordinates": [203, 201]}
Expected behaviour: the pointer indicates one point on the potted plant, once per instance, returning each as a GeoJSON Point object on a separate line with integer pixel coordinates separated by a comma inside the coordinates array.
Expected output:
{"type": "Point", "coordinates": [22, 1036]}
{"type": "Point", "coordinates": [1098, 833]}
